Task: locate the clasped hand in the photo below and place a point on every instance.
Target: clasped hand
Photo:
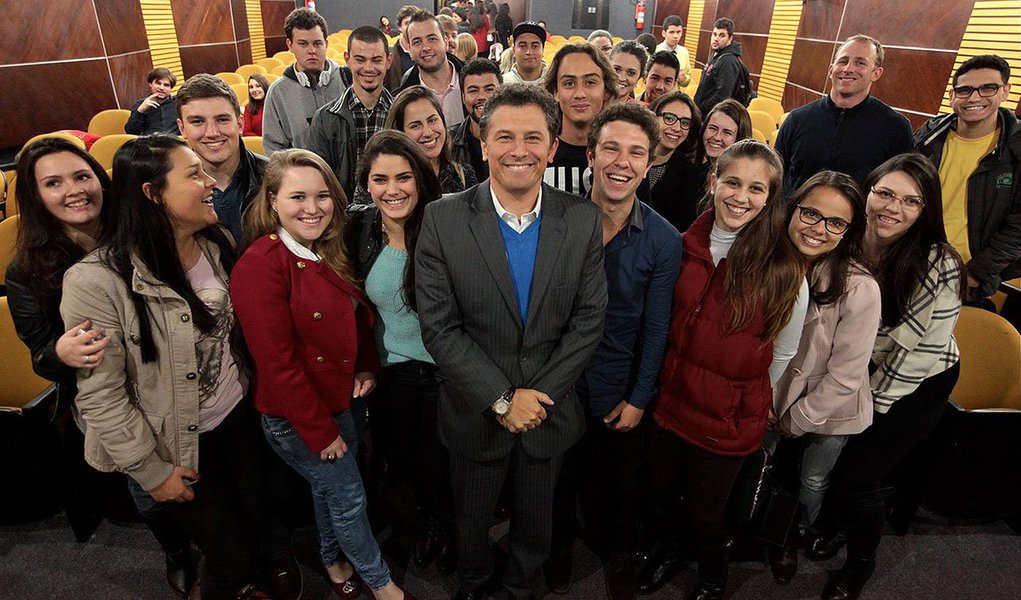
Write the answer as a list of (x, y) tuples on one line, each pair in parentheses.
[(527, 410)]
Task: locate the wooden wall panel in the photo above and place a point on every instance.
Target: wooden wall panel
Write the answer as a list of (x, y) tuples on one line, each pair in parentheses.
[(129, 71), (665, 8), (753, 48), (795, 96), (703, 48), (41, 31), (208, 59), (273, 14), (709, 16), (821, 20), (245, 52), (913, 79), (122, 25), (81, 86), (202, 22), (810, 63), (941, 26), (749, 16), (240, 14)]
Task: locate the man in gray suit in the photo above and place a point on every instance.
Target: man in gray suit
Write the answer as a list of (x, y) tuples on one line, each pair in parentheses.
[(511, 296)]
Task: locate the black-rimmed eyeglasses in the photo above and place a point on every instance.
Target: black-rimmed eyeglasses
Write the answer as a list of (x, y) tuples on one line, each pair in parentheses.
[(985, 90), (670, 119), (810, 216)]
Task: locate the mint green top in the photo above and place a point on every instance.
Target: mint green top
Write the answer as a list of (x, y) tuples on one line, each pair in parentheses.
[(398, 334)]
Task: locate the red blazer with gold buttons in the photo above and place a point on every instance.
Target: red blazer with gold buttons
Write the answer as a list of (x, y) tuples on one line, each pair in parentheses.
[(309, 332)]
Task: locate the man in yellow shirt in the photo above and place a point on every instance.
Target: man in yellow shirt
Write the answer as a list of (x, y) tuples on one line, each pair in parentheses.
[(673, 29), (978, 152)]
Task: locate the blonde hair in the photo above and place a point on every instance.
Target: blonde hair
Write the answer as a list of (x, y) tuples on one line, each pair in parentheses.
[(260, 218), (467, 47)]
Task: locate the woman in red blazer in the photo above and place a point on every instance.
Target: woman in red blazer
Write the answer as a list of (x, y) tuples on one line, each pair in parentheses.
[(309, 329), (739, 305)]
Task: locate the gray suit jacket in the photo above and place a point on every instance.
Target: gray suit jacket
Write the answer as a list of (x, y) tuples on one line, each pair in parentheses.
[(471, 326)]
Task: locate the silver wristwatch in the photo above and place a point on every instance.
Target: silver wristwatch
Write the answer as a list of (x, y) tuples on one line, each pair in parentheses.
[(503, 404)]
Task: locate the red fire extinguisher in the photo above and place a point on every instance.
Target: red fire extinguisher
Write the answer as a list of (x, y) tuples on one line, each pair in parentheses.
[(640, 14)]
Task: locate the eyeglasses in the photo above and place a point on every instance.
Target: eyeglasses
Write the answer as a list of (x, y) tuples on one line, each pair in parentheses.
[(670, 118), (810, 216), (915, 203), (985, 90)]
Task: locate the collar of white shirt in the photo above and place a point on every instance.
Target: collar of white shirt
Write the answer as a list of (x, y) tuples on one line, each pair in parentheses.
[(295, 247), (517, 224)]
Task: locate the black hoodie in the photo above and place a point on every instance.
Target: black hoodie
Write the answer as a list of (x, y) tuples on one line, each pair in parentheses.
[(719, 77)]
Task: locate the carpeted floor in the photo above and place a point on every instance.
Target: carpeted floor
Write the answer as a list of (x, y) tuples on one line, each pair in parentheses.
[(122, 561)]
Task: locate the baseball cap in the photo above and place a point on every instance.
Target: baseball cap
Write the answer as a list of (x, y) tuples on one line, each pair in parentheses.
[(530, 27)]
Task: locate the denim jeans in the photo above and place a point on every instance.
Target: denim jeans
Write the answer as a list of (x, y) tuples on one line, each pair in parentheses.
[(338, 496), (819, 455)]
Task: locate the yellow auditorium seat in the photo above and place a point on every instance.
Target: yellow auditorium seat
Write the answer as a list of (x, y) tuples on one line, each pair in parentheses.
[(230, 77), (247, 71), (990, 350), (278, 71), (269, 63), (763, 121), (767, 105), (5, 189), (696, 76), (20, 387), (558, 40), (284, 56), (576, 38), (11, 205), (77, 141), (758, 135), (616, 40), (108, 145), (241, 91), (254, 144), (107, 122), (782, 118), (8, 242), (772, 138), (271, 77)]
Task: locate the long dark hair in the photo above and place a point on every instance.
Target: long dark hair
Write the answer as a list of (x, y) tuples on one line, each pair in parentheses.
[(737, 113), (764, 270), (691, 147), (905, 262), (850, 251), (144, 231), (253, 104), (396, 143), (44, 251)]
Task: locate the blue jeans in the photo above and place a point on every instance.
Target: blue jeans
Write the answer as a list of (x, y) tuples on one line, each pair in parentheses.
[(338, 497), (817, 459)]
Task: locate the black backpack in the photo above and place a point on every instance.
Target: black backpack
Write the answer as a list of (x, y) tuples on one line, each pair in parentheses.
[(743, 90)]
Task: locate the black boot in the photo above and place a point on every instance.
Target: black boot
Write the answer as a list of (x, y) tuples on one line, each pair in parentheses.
[(712, 571), (431, 542), (864, 533), (783, 560), (180, 562), (665, 561), (820, 545)]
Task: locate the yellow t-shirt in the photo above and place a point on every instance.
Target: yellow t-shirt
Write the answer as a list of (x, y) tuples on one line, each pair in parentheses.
[(960, 159)]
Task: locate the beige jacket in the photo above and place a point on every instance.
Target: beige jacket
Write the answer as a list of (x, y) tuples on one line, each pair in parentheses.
[(826, 386), (141, 419)]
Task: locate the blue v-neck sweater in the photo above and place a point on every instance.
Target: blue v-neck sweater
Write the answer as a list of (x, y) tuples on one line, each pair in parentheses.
[(521, 250)]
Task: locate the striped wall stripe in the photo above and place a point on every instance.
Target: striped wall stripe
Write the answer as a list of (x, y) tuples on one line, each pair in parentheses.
[(255, 33), (162, 35), (695, 11), (993, 28), (783, 31)]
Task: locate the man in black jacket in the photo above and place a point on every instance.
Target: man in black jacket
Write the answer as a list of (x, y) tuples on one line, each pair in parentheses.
[(157, 112), (978, 152), (480, 78), (435, 68), (724, 70)]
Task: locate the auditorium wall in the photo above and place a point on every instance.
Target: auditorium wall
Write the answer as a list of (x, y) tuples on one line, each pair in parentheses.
[(61, 62)]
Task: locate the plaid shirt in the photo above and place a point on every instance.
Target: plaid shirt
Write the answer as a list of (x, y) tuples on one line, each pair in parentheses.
[(922, 344), (367, 122)]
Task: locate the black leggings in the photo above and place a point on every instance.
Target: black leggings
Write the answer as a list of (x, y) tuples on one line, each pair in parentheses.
[(684, 475)]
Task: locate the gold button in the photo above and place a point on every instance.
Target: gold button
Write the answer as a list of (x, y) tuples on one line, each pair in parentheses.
[(320, 359), (317, 315), (272, 236), (301, 264)]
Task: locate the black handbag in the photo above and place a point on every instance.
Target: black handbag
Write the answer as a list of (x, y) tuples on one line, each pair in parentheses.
[(760, 504)]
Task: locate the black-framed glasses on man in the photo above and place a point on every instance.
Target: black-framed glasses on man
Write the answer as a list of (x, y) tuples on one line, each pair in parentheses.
[(810, 216), (915, 203), (985, 90), (670, 118)]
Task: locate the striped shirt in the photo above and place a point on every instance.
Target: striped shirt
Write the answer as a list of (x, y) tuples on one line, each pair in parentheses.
[(922, 344)]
